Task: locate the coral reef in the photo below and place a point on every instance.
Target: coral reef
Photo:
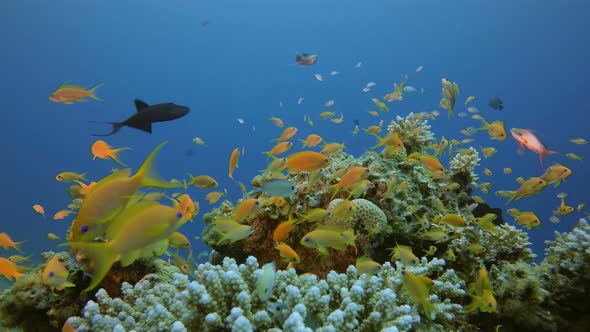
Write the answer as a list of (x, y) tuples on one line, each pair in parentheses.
[(566, 274), (32, 306), (463, 165), (224, 297), (413, 130)]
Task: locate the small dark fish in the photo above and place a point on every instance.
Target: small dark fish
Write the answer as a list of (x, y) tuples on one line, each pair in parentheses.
[(496, 103), (357, 123), (146, 115), (306, 59), (204, 22)]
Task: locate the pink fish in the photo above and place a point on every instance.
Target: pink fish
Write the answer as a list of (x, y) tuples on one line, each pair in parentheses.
[(527, 138)]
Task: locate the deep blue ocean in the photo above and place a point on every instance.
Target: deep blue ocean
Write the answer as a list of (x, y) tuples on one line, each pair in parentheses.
[(532, 54)]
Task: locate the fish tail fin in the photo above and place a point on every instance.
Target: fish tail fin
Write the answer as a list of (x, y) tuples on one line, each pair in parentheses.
[(512, 197), (102, 255), (544, 153), (116, 126), (115, 155), (93, 90), (335, 189), (269, 155), (147, 174), (18, 244)]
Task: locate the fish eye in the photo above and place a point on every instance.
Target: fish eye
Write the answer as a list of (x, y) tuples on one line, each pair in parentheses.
[(257, 203), (266, 289), (379, 267), (84, 228), (251, 229), (178, 214), (413, 261), (490, 304), (50, 274), (326, 160), (306, 239), (292, 187), (404, 271), (294, 259)]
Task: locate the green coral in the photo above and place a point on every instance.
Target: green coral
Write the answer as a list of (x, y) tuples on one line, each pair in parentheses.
[(566, 275), (520, 295), (32, 306)]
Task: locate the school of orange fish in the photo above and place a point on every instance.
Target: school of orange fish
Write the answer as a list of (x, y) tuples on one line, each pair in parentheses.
[(132, 223)]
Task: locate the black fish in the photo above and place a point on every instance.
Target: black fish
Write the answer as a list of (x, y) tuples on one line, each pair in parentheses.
[(146, 115), (496, 103), (306, 59)]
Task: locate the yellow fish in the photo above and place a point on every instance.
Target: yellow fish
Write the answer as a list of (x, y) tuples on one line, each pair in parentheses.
[(530, 187), (231, 230), (324, 237), (179, 240), (202, 181), (495, 129), (555, 174), (366, 265), (403, 253), (70, 176), (110, 196), (55, 275), (288, 255), (139, 228), (563, 209), (418, 291)]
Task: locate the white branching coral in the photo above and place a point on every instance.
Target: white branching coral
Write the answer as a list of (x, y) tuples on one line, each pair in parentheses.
[(224, 297), (463, 164), (413, 130)]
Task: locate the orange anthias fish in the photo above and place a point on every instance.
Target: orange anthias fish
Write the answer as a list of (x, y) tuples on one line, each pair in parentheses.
[(352, 176), (233, 162), (55, 275), (245, 209), (101, 149), (287, 134), (186, 206), (278, 149), (307, 161), (312, 140), (68, 94), (8, 269), (6, 242), (527, 138), (282, 231), (39, 209)]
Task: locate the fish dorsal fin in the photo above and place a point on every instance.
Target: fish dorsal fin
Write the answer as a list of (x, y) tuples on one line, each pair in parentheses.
[(140, 105)]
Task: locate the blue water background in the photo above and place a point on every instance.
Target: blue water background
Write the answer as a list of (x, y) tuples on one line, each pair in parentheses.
[(532, 54)]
